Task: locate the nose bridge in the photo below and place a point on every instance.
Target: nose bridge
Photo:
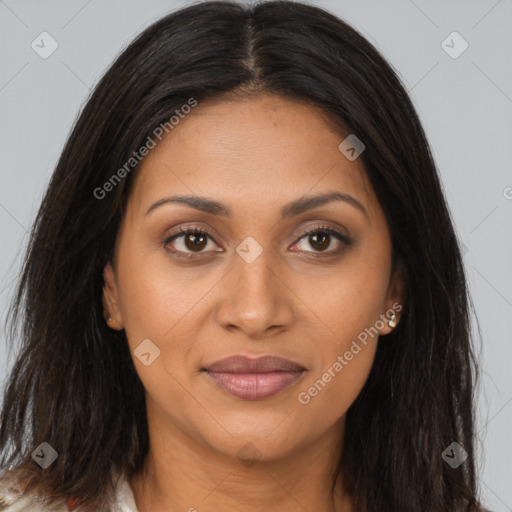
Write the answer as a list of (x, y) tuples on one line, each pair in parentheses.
[(253, 267), (254, 299)]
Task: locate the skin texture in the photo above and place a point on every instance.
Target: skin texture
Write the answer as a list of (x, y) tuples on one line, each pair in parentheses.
[(254, 155)]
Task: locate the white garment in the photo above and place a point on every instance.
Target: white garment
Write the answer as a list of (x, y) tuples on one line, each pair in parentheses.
[(11, 501), (125, 498)]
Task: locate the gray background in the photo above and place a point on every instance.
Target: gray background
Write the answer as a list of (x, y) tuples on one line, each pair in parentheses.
[(465, 105)]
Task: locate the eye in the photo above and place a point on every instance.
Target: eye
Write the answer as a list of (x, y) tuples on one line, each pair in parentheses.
[(320, 239), (192, 239)]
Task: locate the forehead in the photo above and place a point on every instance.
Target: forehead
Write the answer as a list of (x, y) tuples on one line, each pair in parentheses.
[(263, 148)]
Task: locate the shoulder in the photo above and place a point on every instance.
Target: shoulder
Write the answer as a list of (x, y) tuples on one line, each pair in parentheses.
[(10, 491), (12, 499)]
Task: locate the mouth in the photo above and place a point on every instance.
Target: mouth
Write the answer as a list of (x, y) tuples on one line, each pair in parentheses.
[(254, 379)]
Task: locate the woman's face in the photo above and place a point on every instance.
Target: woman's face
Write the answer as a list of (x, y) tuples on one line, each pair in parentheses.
[(252, 283)]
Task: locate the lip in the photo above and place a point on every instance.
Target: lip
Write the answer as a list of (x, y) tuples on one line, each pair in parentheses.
[(254, 378), (263, 364)]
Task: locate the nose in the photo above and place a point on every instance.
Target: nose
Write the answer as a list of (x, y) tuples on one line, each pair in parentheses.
[(254, 299)]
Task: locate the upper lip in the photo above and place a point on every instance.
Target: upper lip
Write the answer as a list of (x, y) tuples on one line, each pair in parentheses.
[(263, 364)]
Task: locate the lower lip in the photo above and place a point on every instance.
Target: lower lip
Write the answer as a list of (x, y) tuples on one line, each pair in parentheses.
[(255, 386)]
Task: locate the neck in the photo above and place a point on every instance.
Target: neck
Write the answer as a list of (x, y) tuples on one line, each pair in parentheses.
[(181, 474)]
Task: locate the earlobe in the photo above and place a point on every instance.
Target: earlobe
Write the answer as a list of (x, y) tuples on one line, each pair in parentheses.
[(110, 299), (395, 301), (389, 320)]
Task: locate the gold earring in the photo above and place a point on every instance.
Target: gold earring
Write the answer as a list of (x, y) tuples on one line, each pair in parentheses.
[(392, 320)]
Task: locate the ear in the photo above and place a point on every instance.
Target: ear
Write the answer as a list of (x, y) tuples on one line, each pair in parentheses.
[(395, 299), (110, 299)]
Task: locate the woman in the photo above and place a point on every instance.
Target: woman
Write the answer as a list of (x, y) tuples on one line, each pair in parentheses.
[(243, 289)]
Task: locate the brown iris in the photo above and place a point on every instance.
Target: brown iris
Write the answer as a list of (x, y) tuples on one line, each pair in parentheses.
[(195, 241), (324, 237)]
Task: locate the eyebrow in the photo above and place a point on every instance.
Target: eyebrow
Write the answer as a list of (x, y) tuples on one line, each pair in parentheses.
[(291, 209)]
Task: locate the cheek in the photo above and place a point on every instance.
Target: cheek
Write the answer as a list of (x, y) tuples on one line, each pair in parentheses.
[(350, 306), (327, 396), (350, 299), (161, 302), (157, 297), (156, 305)]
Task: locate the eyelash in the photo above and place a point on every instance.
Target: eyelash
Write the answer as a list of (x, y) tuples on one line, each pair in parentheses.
[(346, 241)]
